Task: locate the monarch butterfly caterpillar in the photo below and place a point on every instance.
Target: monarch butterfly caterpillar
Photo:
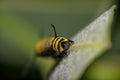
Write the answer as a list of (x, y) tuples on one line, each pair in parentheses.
[(57, 46)]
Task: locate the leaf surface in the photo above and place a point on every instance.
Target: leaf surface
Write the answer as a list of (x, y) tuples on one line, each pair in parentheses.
[(91, 42)]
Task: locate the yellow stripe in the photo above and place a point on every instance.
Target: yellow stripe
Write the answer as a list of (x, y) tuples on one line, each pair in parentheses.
[(61, 48), (65, 40), (54, 42), (57, 42)]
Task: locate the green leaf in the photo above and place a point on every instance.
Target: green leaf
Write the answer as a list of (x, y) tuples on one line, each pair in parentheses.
[(91, 42)]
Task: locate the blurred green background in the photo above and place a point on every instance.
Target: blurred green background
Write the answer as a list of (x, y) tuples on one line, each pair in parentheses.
[(24, 22)]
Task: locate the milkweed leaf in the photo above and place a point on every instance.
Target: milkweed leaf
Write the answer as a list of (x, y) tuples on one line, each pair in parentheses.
[(91, 42)]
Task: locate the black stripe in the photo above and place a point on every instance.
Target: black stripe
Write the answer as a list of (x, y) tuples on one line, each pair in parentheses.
[(55, 42), (52, 43), (58, 47)]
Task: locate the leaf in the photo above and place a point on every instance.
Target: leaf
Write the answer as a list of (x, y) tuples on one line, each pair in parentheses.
[(91, 42)]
